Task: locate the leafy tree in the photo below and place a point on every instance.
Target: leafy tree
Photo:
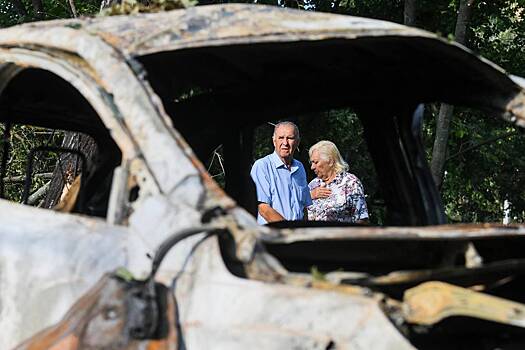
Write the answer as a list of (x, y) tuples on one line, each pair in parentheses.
[(479, 179), (19, 11)]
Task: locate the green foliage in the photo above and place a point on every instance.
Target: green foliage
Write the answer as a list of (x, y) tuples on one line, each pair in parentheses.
[(480, 174), (53, 9), (477, 182), (378, 9), (317, 275), (124, 274), (22, 139), (127, 7), (8, 16), (499, 33)]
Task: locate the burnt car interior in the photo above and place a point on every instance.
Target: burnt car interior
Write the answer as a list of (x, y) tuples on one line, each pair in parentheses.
[(218, 96), (39, 99)]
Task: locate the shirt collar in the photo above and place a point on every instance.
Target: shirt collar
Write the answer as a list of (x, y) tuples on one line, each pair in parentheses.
[(278, 162)]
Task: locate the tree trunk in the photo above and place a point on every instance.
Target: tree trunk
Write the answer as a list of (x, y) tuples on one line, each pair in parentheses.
[(439, 151), (38, 8), (72, 8), (69, 166), (409, 13), (465, 10), (108, 3)]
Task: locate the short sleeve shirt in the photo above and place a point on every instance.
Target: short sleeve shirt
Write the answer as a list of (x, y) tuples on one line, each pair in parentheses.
[(284, 190), (346, 203)]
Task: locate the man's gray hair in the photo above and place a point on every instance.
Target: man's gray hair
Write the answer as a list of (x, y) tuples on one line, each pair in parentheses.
[(296, 129)]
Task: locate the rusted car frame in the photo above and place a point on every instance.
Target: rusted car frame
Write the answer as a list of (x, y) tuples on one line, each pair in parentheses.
[(246, 285)]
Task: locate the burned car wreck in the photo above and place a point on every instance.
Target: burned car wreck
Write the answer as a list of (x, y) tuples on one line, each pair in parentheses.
[(158, 94)]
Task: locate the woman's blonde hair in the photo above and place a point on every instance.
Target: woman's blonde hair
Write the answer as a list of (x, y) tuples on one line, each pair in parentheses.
[(328, 151)]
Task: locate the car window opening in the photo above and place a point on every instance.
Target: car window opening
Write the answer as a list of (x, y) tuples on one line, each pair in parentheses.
[(221, 108), (56, 153)]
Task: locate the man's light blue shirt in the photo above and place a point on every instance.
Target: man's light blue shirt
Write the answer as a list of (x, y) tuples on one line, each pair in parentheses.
[(284, 190)]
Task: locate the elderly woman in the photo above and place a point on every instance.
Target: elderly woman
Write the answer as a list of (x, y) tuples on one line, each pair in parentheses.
[(337, 195)]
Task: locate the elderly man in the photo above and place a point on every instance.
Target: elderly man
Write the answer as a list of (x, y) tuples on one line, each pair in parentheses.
[(282, 190)]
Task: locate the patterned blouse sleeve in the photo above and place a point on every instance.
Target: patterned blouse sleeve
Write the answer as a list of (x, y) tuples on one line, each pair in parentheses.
[(356, 198), (361, 210)]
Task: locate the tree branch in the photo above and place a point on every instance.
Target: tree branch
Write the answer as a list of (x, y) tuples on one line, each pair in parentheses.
[(41, 192), (21, 178), (465, 10), (73, 8), (38, 7), (489, 140), (439, 150), (409, 13)]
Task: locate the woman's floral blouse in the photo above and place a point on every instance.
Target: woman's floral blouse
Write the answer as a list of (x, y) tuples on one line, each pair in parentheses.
[(346, 203)]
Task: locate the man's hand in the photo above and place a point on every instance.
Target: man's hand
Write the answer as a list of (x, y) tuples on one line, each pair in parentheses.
[(320, 192), (268, 213)]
